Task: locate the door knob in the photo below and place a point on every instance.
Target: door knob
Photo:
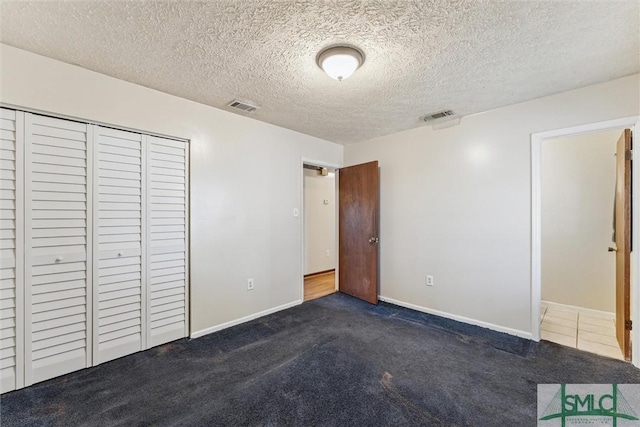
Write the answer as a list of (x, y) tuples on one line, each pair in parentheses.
[(610, 249), (59, 259), (373, 240)]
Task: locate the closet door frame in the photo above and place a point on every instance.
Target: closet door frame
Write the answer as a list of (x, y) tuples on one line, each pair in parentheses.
[(24, 236)]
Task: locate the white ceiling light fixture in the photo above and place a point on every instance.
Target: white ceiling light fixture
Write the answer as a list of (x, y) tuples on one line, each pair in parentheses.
[(339, 62)]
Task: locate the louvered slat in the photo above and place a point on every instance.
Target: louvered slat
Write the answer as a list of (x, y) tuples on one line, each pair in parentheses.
[(118, 242), (11, 249), (166, 211), (58, 282)]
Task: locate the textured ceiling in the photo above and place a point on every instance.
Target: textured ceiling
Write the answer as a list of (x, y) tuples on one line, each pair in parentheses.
[(421, 56)]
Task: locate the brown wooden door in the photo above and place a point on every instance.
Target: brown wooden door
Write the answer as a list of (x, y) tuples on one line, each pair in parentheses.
[(623, 242), (358, 205)]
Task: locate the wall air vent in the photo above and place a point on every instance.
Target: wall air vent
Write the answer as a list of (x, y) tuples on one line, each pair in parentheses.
[(242, 105)]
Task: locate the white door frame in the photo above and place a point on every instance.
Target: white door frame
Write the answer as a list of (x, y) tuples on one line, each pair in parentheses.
[(536, 224), (335, 167)]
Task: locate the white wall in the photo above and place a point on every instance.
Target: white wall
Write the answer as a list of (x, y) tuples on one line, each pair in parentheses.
[(578, 185), (245, 179), (456, 203), (319, 221)]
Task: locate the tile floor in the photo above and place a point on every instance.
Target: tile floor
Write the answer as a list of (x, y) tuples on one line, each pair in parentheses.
[(588, 331)]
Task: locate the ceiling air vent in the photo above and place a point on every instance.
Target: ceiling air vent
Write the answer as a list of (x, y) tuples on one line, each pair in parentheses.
[(442, 119), (439, 115), (241, 105)]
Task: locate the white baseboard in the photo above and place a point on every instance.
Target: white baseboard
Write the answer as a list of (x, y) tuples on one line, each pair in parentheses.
[(510, 331), (244, 319), (597, 313)]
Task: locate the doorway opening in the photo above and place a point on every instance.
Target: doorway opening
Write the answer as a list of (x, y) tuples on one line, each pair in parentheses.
[(581, 255), (578, 272), (353, 233), (319, 231)]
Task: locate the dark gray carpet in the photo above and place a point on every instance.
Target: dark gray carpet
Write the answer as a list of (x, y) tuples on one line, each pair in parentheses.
[(335, 361)]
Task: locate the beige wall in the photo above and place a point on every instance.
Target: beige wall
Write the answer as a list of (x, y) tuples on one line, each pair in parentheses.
[(578, 182), (245, 180), (319, 222), (456, 203)]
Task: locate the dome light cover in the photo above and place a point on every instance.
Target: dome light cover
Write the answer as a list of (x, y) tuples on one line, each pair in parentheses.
[(339, 62)]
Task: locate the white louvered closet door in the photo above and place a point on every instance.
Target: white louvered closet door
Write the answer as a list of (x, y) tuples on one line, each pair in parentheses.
[(11, 250), (57, 247), (167, 239), (118, 247)]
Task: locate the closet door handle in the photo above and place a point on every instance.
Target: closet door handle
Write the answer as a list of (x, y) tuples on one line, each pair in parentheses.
[(59, 259), (120, 253)]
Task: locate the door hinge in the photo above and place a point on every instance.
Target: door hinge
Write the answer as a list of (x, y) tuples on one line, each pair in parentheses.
[(628, 325), (628, 155)]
